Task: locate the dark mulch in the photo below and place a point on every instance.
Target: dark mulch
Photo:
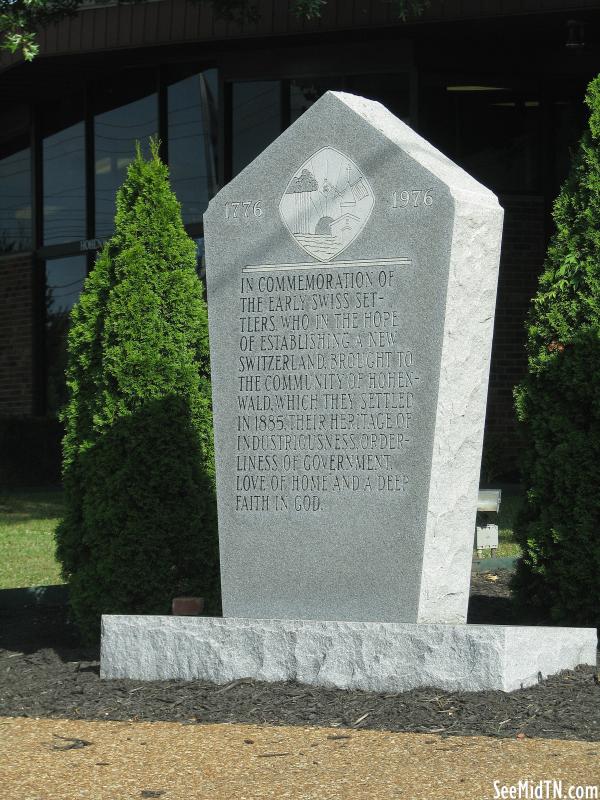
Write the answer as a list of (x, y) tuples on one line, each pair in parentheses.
[(44, 673)]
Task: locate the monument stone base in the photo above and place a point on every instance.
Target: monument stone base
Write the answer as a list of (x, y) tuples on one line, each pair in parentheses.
[(374, 656)]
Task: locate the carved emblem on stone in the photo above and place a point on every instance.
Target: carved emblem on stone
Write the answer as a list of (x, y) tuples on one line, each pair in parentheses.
[(326, 204)]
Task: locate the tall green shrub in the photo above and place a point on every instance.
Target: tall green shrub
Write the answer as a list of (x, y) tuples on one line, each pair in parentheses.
[(138, 471), (559, 404)]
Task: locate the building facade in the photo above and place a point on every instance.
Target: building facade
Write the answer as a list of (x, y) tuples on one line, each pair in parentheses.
[(497, 85)]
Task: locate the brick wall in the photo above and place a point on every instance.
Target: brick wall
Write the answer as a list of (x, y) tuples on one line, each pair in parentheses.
[(16, 335), (523, 251)]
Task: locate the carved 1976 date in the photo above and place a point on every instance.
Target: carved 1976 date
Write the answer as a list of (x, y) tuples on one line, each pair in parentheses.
[(412, 197), (245, 209)]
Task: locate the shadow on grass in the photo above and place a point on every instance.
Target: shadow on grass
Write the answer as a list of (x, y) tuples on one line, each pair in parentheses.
[(490, 599), (31, 629), (23, 505)]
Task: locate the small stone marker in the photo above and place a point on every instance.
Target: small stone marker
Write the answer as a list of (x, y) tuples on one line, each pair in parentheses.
[(352, 274)]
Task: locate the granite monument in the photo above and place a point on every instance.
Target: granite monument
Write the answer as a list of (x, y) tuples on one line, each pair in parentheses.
[(351, 273)]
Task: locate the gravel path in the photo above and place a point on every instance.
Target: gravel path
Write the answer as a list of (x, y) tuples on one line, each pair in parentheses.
[(43, 673), (50, 759)]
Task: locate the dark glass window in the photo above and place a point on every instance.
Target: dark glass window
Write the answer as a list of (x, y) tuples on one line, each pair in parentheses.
[(15, 200), (201, 259), (64, 281), (567, 125), (192, 142), (498, 140), (256, 110), (64, 185), (391, 90), (115, 134), (259, 108), (306, 91), (492, 131)]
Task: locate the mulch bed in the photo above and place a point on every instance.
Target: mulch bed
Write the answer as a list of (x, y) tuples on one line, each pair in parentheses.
[(45, 673)]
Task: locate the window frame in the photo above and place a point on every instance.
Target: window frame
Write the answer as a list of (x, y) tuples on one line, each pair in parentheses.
[(41, 253)]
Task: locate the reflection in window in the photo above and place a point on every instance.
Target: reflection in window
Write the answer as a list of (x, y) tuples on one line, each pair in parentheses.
[(256, 109), (192, 142), (498, 141), (15, 201), (568, 122), (306, 91), (392, 90), (64, 185), (64, 281), (201, 259), (492, 131), (115, 134)]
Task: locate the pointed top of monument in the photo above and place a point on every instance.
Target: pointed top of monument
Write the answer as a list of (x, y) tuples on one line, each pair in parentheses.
[(408, 140)]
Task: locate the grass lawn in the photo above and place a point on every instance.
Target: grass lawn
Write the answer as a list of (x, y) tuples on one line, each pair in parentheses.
[(28, 519), (509, 507)]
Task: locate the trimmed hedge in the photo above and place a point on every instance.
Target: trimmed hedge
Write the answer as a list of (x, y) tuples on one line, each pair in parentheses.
[(559, 405), (137, 454)]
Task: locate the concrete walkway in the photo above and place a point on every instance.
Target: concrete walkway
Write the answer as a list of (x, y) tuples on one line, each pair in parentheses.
[(66, 760)]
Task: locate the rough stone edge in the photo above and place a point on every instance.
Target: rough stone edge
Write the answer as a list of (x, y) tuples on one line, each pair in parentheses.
[(466, 344), (348, 655), (539, 657), (460, 417)]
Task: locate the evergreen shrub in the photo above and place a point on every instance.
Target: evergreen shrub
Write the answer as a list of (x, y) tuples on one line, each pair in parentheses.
[(559, 405), (138, 465)]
